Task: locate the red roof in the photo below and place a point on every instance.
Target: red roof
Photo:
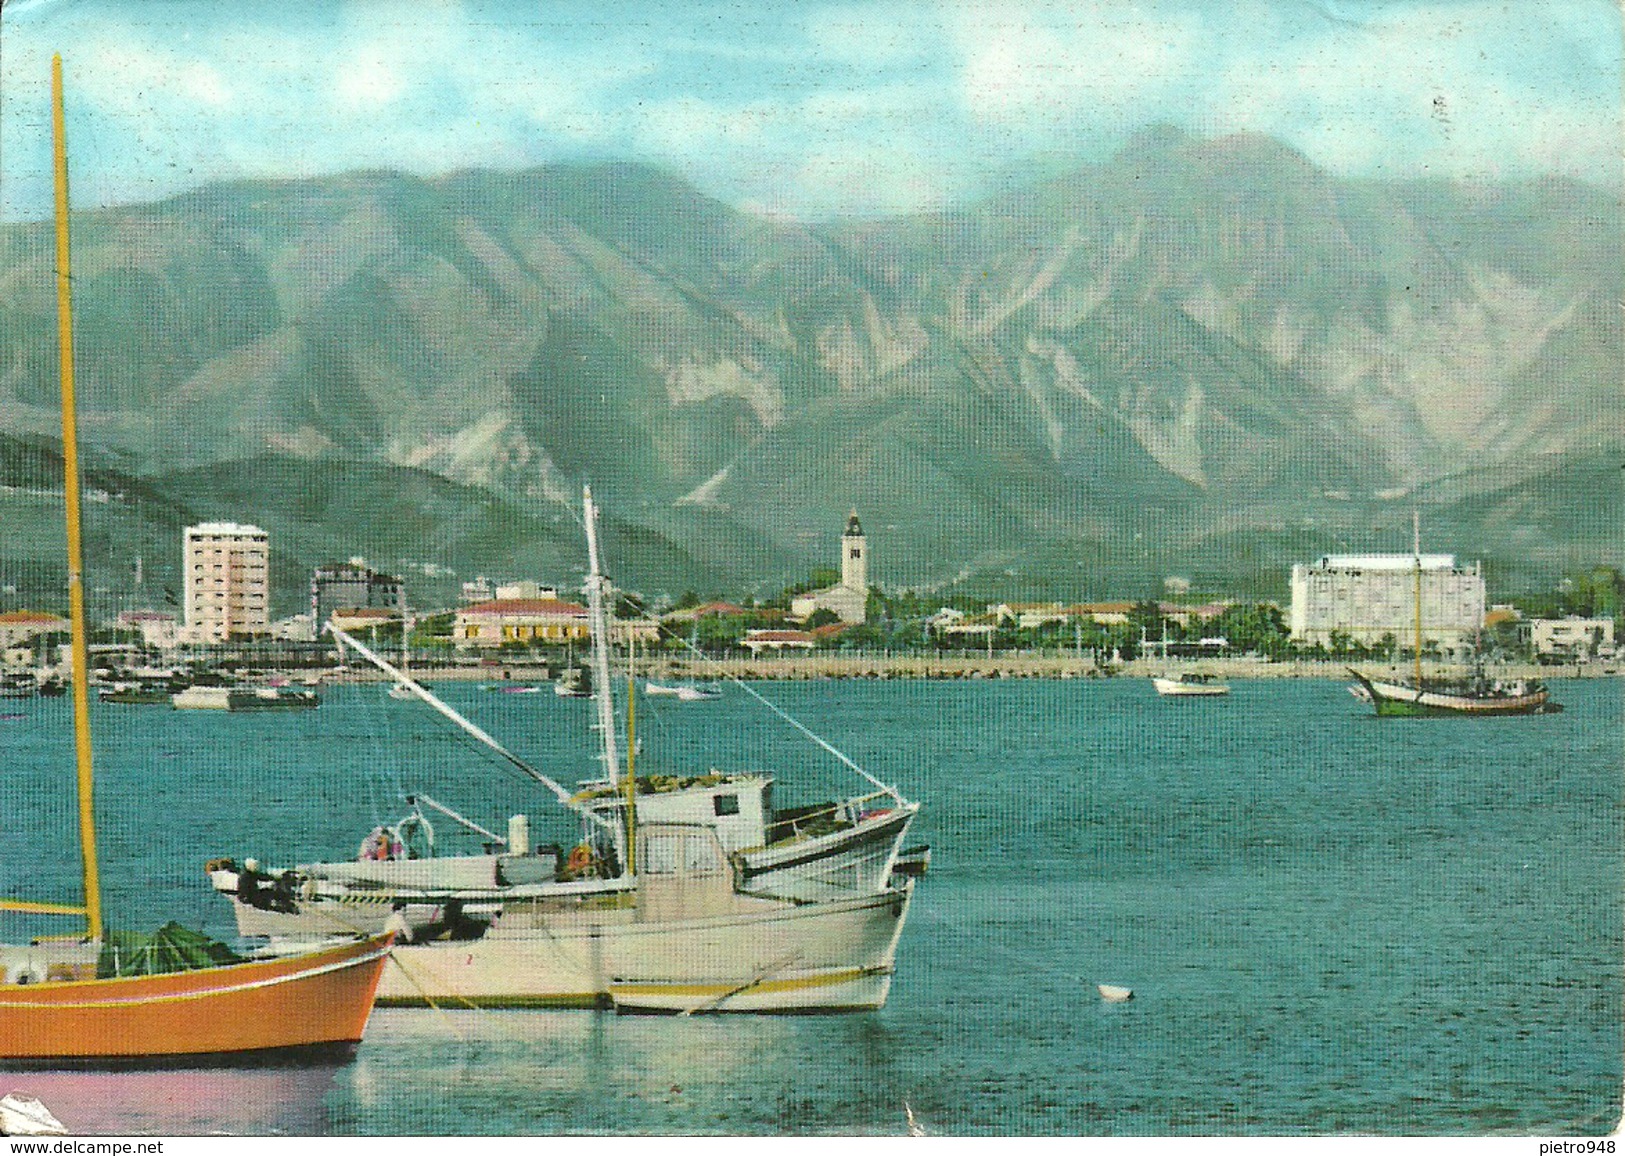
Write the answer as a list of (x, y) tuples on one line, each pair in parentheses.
[(527, 606), (829, 629), (28, 617), (778, 636)]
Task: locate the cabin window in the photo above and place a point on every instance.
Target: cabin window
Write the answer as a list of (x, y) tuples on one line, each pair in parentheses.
[(660, 856), (725, 804)]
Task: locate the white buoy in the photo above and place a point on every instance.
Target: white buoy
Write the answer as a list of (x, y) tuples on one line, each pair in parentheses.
[(1113, 994)]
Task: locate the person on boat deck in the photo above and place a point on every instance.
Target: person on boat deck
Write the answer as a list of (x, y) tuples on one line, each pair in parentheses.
[(282, 892), (250, 883), (380, 846)]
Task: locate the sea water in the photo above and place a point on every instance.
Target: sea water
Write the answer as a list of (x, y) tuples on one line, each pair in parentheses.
[(1331, 923)]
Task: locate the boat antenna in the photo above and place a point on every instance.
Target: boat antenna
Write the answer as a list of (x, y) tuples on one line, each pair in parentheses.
[(473, 729), (1416, 553), (693, 647), (598, 624), (76, 561)]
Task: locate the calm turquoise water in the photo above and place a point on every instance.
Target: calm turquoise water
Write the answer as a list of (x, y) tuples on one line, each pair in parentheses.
[(1331, 923)]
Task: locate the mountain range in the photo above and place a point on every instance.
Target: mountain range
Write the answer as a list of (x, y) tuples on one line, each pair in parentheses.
[(1206, 358)]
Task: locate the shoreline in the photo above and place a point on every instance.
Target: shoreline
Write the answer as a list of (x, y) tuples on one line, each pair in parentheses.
[(802, 667)]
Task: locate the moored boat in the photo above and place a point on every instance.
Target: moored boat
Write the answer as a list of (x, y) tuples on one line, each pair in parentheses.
[(682, 692), (728, 905), (1475, 696), (246, 698), (574, 682), (1189, 684), (75, 999)]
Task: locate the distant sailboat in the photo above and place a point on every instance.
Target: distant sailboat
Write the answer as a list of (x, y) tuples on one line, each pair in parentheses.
[(1476, 696)]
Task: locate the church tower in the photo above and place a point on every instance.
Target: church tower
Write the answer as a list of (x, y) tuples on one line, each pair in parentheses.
[(855, 557)]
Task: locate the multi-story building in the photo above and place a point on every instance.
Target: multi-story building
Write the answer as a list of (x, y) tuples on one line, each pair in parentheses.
[(353, 585), (1571, 638), (227, 580), (1369, 597)]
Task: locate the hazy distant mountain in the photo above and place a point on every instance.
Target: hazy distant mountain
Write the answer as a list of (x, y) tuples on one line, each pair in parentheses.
[(1206, 357)]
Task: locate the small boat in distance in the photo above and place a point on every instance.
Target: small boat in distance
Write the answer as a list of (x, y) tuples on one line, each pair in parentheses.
[(682, 692), (1189, 684), (575, 682), (1475, 696), (246, 698)]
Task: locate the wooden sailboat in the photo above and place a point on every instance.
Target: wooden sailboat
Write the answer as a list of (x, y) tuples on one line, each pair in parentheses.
[(55, 1006), (1474, 697)]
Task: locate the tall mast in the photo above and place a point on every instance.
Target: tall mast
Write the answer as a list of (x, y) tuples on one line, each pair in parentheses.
[(598, 623), (1416, 554), (76, 563)]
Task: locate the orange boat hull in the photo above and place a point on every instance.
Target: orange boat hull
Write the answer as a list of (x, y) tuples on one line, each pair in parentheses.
[(309, 1001)]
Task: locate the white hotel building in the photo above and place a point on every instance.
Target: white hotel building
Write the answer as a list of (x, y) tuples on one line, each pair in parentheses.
[(1368, 596), (227, 581)]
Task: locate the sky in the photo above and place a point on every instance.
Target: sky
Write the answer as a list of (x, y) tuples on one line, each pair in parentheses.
[(804, 110)]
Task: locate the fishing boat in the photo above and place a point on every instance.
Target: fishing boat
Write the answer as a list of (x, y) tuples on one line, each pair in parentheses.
[(682, 692), (723, 903), (78, 999), (1474, 696), (573, 682), (246, 698), (1189, 684)]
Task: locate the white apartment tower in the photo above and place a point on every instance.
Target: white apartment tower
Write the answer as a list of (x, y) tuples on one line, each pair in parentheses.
[(227, 581), (1369, 596)]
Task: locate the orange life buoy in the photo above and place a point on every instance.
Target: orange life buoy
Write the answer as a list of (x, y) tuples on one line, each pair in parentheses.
[(580, 859)]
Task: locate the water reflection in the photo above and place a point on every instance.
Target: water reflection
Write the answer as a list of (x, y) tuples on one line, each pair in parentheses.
[(244, 1101)]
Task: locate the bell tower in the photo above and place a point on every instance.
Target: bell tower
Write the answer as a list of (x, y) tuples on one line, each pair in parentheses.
[(854, 557)]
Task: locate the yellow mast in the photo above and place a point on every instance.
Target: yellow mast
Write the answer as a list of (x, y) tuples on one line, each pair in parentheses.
[(1416, 553), (76, 565)]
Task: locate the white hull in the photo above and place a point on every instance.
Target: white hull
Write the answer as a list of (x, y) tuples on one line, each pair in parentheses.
[(759, 956), (682, 693), (1177, 688)]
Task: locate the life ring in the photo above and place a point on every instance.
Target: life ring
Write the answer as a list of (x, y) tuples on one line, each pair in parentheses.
[(580, 859), (25, 971)]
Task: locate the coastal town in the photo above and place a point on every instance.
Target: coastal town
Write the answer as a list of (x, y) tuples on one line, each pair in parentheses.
[(1343, 607)]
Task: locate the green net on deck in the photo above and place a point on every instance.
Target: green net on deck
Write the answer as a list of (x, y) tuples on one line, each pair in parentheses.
[(170, 948)]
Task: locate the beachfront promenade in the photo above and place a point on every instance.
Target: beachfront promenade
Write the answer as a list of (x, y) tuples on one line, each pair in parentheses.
[(1014, 664)]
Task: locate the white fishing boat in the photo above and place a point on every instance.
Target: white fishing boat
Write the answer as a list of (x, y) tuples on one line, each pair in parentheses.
[(729, 905), (1189, 684), (245, 698)]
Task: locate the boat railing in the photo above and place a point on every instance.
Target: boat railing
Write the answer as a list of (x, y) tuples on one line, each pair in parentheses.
[(799, 823)]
